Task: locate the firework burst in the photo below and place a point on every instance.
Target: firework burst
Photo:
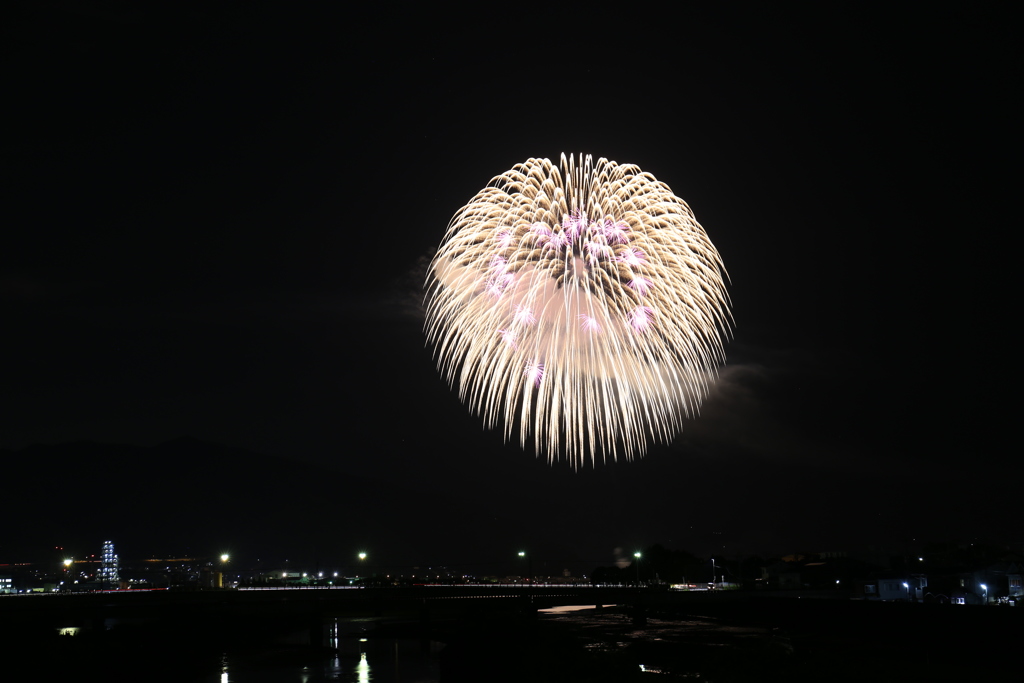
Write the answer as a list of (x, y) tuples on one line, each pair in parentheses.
[(580, 305)]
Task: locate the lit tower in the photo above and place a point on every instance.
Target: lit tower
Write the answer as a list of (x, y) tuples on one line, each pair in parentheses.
[(108, 565)]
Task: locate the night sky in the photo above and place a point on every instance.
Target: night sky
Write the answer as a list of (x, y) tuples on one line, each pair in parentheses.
[(216, 223)]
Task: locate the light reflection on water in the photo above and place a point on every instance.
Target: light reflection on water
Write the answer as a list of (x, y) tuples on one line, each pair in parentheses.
[(566, 609), (363, 669), (616, 626), (349, 659), (674, 647)]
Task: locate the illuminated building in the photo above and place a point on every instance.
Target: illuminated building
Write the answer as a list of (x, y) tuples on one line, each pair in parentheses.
[(108, 565)]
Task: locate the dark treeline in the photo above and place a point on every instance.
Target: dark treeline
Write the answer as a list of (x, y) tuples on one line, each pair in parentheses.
[(659, 564)]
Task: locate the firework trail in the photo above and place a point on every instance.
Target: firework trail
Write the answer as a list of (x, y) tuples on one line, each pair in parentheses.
[(582, 305)]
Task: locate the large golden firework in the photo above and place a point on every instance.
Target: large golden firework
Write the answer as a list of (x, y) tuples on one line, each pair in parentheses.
[(581, 304)]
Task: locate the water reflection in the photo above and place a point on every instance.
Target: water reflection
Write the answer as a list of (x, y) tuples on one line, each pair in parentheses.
[(363, 669), (353, 653), (674, 646), (565, 609)]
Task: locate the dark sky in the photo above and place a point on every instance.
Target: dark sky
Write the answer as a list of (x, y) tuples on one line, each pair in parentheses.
[(216, 223)]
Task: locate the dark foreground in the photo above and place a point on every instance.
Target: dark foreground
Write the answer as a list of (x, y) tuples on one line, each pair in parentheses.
[(739, 638)]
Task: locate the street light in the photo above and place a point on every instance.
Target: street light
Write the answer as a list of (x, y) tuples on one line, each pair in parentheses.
[(637, 556), (529, 566), (985, 588), (67, 568), (713, 577), (219, 576), (362, 561)]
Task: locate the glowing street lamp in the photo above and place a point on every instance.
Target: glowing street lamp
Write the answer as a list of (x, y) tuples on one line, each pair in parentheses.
[(529, 565), (362, 562), (637, 556), (67, 567), (219, 574), (985, 588)]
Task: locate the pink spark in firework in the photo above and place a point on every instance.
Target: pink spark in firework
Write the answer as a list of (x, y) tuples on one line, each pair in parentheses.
[(640, 285), (505, 239), (535, 372), (497, 285), (641, 318), (573, 226), (524, 315), (558, 242), (597, 250), (509, 337), (589, 323), (632, 257), (541, 233), (616, 232)]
